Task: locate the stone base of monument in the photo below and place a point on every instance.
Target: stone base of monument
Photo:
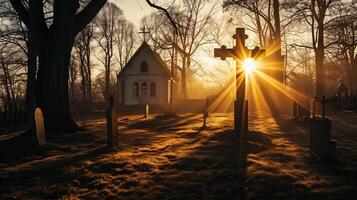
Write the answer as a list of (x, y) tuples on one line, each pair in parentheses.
[(322, 147)]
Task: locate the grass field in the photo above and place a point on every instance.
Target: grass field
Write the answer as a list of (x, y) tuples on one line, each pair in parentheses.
[(172, 158)]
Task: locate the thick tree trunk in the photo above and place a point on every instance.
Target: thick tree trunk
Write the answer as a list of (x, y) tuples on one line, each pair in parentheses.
[(31, 81), (52, 79), (278, 58), (53, 45), (277, 37), (52, 86)]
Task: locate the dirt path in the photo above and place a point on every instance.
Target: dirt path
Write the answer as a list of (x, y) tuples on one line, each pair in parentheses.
[(171, 158)]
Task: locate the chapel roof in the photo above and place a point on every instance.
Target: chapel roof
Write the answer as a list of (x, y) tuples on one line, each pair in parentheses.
[(145, 47)]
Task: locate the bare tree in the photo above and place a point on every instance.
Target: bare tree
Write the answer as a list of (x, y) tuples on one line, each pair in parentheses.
[(125, 39), (341, 33), (316, 14), (14, 35), (107, 26), (265, 18), (53, 26), (83, 50), (192, 20)]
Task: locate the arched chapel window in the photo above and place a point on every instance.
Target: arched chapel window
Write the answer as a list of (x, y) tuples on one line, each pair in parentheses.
[(152, 89), (136, 89), (144, 67)]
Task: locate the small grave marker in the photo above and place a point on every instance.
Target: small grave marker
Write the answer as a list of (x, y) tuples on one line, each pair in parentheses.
[(205, 115), (112, 125), (147, 109), (39, 127)]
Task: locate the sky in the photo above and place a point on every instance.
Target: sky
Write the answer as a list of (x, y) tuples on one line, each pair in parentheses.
[(134, 10)]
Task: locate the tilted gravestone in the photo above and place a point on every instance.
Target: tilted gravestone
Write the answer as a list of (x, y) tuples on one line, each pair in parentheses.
[(112, 125), (39, 127)]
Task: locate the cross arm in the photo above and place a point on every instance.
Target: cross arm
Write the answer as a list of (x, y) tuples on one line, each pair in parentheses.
[(223, 52), (257, 53)]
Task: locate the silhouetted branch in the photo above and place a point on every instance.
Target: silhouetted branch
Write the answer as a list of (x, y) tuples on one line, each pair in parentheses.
[(87, 14), (21, 11), (167, 14)]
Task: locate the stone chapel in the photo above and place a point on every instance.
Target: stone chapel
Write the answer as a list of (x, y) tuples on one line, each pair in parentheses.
[(145, 79)]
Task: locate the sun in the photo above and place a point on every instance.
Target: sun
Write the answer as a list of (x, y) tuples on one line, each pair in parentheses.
[(249, 65)]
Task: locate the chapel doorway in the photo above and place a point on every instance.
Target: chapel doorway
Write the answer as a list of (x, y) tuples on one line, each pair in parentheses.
[(144, 92)]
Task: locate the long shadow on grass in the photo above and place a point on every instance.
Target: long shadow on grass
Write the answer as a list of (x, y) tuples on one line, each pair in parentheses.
[(296, 140), (29, 168), (165, 123), (210, 171), (22, 148)]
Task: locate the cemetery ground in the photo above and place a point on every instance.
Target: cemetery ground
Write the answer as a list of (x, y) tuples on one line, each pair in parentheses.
[(170, 157)]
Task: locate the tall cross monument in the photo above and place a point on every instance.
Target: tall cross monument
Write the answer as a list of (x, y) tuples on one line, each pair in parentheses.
[(239, 53)]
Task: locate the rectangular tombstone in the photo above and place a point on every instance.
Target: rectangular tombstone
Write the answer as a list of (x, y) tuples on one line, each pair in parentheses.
[(39, 127), (321, 146)]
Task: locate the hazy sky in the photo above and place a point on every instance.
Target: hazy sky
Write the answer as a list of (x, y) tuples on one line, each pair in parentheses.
[(134, 10)]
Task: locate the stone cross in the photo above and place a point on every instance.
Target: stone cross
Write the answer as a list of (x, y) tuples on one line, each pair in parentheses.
[(239, 53), (112, 124), (39, 127), (144, 32)]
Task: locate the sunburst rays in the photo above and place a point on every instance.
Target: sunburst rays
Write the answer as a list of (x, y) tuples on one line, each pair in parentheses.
[(255, 80)]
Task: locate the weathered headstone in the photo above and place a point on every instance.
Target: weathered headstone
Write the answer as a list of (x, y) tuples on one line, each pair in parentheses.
[(112, 124), (321, 145), (147, 110), (39, 127)]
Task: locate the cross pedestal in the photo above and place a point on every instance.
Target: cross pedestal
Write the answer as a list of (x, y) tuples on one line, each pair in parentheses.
[(239, 53)]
